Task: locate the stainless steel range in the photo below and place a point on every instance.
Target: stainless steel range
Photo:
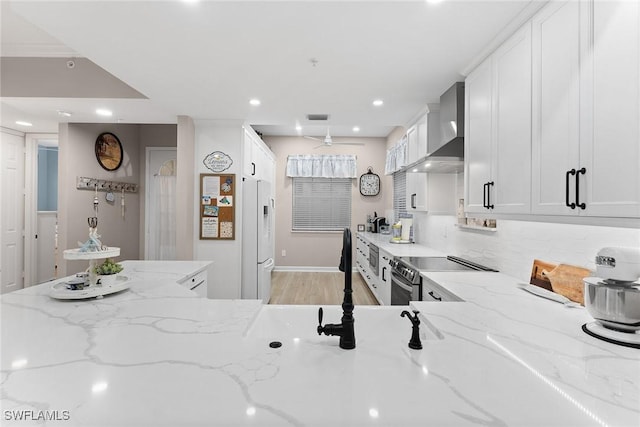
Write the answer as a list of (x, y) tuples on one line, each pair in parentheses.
[(407, 284)]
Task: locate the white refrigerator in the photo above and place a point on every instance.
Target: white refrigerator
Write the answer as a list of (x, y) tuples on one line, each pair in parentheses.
[(257, 239)]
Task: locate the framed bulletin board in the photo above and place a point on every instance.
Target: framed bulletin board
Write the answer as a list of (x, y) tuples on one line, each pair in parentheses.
[(217, 206)]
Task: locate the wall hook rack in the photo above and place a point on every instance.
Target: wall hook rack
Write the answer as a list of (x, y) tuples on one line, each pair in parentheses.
[(93, 184)]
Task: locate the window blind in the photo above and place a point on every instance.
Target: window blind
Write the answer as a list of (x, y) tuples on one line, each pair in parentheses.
[(399, 195), (321, 204)]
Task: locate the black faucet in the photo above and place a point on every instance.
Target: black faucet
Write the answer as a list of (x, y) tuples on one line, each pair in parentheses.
[(414, 343), (344, 329)]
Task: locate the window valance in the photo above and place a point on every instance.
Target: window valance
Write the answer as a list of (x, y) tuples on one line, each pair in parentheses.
[(322, 166), (396, 157)]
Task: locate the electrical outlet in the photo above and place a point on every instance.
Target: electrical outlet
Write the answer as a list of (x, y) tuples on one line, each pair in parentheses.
[(284, 252)]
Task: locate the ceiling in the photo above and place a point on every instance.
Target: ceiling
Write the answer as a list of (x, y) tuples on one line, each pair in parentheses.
[(207, 59)]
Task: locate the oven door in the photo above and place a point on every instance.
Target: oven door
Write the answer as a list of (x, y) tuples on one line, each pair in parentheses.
[(403, 291)]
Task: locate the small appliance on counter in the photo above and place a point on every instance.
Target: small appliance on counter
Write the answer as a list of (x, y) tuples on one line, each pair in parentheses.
[(378, 222), (613, 298)]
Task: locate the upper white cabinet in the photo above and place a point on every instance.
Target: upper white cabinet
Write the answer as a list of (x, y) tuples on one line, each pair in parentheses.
[(413, 145), (431, 192), (417, 192), (586, 109), (498, 129), (258, 160), (556, 106), (610, 149), (423, 135)]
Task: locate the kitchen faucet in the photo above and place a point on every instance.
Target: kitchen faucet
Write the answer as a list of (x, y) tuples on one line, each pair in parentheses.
[(414, 342), (344, 329)]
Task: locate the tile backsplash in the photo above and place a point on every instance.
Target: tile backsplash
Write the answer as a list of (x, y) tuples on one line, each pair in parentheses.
[(514, 246)]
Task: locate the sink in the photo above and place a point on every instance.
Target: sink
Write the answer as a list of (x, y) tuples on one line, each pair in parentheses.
[(372, 323)]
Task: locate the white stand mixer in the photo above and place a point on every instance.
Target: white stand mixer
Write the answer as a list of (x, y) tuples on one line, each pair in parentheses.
[(613, 298)]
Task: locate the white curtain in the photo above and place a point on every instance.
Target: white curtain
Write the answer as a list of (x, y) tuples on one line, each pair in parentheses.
[(162, 227), (322, 166), (396, 157)]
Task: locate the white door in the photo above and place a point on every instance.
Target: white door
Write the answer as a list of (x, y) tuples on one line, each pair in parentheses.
[(160, 203), (11, 212)]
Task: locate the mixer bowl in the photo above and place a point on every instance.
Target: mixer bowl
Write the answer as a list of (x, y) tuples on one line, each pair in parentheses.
[(614, 306)]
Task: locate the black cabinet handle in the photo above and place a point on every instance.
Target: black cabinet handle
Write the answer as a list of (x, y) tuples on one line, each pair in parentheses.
[(566, 189), (435, 297), (253, 166), (489, 185), (413, 201), (578, 204), (484, 194), (383, 270)]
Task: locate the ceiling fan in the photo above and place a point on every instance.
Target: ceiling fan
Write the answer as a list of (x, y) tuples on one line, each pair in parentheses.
[(328, 141)]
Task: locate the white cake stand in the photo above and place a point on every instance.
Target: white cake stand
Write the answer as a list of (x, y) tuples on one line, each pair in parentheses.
[(92, 257)]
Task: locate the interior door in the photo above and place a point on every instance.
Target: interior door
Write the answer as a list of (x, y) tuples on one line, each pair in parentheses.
[(11, 212)]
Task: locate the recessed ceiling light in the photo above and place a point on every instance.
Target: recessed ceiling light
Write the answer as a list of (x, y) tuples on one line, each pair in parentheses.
[(21, 123), (104, 112), (64, 113), (378, 102), (356, 129), (254, 102)]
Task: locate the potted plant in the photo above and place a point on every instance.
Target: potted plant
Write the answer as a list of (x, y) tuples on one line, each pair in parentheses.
[(107, 272)]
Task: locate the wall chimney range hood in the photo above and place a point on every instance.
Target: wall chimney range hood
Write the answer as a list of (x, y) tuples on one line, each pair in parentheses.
[(447, 154)]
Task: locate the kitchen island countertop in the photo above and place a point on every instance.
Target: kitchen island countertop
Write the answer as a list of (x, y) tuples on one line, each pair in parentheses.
[(158, 355)]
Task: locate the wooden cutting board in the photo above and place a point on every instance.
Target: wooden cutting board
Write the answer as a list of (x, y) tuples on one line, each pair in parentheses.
[(537, 276), (567, 280)]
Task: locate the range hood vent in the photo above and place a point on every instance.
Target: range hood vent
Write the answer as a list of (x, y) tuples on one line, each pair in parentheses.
[(447, 155), (452, 118)]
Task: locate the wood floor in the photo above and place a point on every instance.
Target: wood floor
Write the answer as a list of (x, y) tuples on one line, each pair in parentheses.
[(314, 288)]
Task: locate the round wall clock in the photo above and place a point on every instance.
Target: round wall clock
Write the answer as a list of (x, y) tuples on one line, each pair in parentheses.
[(108, 151), (369, 183)]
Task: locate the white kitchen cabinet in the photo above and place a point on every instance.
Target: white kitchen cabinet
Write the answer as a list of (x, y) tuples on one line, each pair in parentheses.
[(477, 138), (414, 148), (431, 192), (197, 283), (586, 109), (498, 129), (555, 105), (384, 278), (423, 137), (417, 192), (258, 161), (610, 149)]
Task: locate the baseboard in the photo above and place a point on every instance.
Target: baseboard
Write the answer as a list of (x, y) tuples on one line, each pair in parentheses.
[(308, 269)]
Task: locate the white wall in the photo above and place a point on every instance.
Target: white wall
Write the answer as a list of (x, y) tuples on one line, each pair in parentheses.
[(225, 272), (76, 157)]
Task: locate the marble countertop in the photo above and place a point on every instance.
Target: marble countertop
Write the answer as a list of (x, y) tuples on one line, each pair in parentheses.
[(158, 355), (383, 241)]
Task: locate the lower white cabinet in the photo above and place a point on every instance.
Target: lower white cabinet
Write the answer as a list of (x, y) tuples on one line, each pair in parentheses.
[(379, 285), (197, 283), (384, 278)]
